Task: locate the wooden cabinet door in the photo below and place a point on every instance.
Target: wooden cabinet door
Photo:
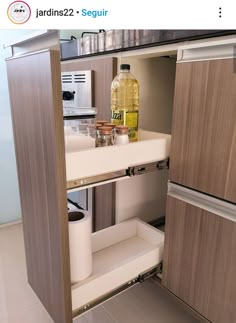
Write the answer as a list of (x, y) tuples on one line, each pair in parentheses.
[(203, 150), (200, 260)]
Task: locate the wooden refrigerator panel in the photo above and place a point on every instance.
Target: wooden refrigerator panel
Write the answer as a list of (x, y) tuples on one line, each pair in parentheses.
[(203, 149), (105, 69), (36, 105), (200, 261)]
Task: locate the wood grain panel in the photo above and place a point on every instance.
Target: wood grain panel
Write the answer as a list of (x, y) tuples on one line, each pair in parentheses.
[(105, 70), (204, 128), (104, 212), (34, 85), (200, 261)]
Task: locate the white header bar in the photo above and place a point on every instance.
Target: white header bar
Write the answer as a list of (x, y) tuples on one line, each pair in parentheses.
[(113, 14)]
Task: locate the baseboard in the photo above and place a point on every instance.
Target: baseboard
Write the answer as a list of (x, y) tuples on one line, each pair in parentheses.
[(10, 224)]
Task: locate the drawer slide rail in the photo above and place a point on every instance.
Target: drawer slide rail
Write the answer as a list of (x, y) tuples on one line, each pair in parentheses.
[(114, 176)]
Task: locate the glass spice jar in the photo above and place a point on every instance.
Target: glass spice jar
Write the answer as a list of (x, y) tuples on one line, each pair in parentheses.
[(91, 131), (98, 135), (106, 136), (122, 135), (113, 126)]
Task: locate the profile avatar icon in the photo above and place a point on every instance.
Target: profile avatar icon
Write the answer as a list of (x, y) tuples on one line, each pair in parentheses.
[(19, 12)]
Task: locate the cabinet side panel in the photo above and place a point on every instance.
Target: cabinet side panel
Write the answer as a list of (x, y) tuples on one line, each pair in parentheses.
[(35, 94), (199, 260), (204, 128)]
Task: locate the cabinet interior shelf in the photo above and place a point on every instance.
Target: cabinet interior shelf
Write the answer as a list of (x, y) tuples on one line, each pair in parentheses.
[(120, 254), (98, 165)]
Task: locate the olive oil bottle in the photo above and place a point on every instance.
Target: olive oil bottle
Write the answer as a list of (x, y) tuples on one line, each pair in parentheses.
[(125, 101)]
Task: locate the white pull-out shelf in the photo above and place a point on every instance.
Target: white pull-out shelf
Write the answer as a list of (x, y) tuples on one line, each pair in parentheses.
[(120, 254), (99, 164)]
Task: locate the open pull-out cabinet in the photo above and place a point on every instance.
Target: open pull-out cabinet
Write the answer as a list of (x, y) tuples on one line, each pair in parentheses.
[(122, 254)]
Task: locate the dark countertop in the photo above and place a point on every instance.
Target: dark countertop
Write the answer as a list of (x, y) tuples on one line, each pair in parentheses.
[(147, 38)]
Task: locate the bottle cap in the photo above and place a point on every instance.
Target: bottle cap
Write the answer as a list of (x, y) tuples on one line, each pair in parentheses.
[(122, 130), (125, 67)]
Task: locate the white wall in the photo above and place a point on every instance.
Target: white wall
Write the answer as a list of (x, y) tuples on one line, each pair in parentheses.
[(9, 193), (145, 196)]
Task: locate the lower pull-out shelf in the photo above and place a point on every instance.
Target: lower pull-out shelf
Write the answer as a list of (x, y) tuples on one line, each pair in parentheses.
[(120, 254)]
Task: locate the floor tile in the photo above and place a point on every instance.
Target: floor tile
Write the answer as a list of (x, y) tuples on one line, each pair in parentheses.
[(33, 315), (80, 319), (17, 299), (97, 315), (147, 302)]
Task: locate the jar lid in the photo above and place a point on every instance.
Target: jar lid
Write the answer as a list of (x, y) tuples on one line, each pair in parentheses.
[(102, 122), (122, 130), (98, 125), (104, 130), (111, 125)]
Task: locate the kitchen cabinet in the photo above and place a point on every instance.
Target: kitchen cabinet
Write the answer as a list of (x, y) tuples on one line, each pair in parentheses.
[(199, 258), (204, 127), (35, 92), (34, 76)]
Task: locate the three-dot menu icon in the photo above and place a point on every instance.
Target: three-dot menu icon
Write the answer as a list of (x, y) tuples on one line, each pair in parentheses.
[(220, 12)]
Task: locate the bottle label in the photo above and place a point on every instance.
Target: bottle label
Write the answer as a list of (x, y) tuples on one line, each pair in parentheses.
[(131, 119), (133, 135), (117, 118)]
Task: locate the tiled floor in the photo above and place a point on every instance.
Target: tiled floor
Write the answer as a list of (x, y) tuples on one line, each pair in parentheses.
[(18, 302), (144, 303)]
